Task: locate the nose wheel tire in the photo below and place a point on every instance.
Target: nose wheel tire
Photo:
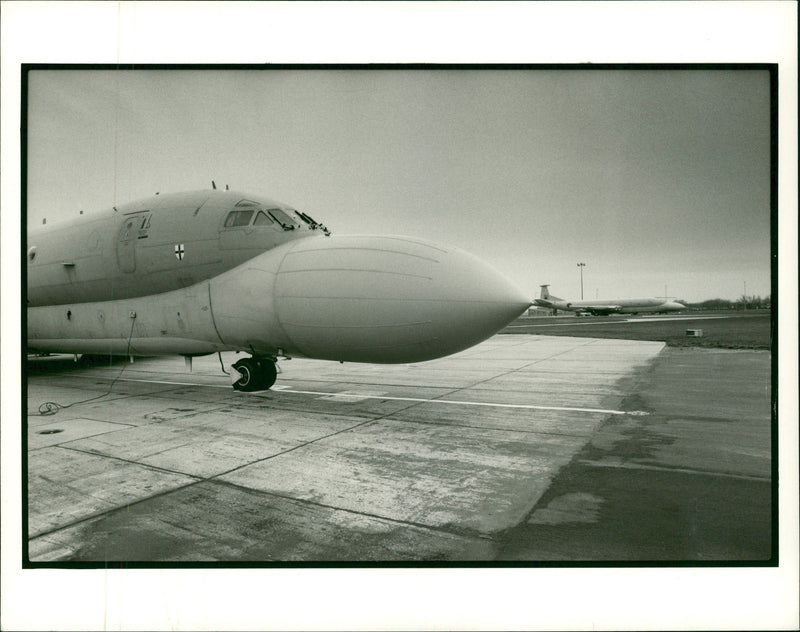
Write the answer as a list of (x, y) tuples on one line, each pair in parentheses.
[(258, 374)]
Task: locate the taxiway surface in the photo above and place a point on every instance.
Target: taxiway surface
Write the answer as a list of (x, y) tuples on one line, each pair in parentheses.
[(449, 460)]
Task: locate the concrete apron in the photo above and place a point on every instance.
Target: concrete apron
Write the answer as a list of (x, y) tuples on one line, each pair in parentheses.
[(338, 462)]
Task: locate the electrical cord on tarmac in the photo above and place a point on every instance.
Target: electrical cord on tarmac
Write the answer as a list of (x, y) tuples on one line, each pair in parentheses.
[(222, 366), (51, 408)]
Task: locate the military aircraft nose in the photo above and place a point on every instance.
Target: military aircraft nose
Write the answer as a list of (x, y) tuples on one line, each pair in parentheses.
[(389, 299)]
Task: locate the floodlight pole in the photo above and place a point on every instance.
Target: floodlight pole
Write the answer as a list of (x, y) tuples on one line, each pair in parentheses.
[(581, 266)]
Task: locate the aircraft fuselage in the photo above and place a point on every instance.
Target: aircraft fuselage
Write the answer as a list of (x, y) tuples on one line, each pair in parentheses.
[(615, 306), (195, 273), (159, 244)]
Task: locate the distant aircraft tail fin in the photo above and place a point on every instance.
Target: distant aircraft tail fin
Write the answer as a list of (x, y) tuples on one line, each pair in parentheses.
[(545, 294)]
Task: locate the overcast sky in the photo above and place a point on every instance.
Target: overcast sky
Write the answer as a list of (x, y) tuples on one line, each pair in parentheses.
[(653, 178)]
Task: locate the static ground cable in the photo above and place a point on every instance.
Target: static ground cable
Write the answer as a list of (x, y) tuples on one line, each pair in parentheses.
[(51, 408), (222, 366)]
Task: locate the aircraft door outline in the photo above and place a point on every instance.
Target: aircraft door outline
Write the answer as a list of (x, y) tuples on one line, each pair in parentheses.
[(134, 227), (126, 246)]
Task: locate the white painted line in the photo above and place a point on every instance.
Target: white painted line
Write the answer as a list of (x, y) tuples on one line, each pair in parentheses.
[(460, 403), (350, 396)]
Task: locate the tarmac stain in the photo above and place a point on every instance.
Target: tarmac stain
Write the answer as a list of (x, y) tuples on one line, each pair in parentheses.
[(577, 507), (169, 413)]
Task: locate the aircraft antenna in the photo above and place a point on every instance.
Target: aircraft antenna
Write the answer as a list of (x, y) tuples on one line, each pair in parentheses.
[(213, 185), (226, 187)]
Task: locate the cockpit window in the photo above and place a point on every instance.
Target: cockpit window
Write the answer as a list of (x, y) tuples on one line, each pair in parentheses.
[(306, 218), (283, 219), (246, 203), (262, 219), (312, 223), (238, 218)]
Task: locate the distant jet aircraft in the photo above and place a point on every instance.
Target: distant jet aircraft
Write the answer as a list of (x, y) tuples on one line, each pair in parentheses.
[(207, 271), (613, 306)]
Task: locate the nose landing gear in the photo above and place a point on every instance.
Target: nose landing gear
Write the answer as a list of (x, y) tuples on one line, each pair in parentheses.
[(255, 374)]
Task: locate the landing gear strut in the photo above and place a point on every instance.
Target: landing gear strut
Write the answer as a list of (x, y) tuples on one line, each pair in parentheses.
[(256, 374)]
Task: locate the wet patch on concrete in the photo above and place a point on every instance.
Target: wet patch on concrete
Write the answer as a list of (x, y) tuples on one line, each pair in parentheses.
[(649, 516), (626, 439), (666, 488), (578, 507)]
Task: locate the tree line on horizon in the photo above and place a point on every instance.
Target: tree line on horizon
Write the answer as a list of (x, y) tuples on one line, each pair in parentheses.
[(743, 302)]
